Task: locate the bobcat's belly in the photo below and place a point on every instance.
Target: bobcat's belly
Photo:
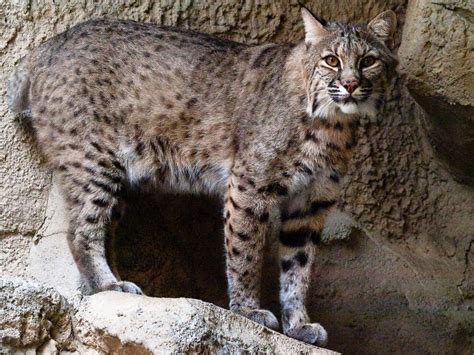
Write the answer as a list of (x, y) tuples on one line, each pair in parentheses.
[(167, 169)]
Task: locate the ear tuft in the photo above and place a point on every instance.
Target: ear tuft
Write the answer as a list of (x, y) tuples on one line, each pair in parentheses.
[(313, 28), (384, 25)]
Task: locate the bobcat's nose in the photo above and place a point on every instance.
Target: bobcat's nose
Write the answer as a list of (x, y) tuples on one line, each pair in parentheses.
[(350, 85)]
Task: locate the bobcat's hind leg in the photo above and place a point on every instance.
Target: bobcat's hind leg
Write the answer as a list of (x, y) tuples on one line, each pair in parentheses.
[(93, 191)]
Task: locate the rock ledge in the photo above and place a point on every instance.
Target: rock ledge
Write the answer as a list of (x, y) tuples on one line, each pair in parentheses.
[(36, 317)]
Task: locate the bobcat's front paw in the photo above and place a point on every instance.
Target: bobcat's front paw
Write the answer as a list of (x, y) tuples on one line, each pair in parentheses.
[(123, 286), (261, 316), (312, 333)]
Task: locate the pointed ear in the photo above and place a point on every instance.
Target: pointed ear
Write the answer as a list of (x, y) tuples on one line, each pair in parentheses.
[(314, 29), (384, 25)]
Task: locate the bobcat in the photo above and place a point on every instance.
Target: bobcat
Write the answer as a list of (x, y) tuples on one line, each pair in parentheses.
[(268, 128)]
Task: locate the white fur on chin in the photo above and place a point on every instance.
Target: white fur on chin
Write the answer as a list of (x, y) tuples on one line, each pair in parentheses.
[(361, 108), (349, 108)]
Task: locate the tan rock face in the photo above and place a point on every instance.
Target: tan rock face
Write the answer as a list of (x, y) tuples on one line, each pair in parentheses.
[(404, 283), (437, 59), (31, 315)]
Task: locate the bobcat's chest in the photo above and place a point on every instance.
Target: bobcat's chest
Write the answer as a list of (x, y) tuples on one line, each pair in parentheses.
[(325, 150), (321, 164)]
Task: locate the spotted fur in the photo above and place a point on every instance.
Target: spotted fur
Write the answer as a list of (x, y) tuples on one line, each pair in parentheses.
[(269, 128)]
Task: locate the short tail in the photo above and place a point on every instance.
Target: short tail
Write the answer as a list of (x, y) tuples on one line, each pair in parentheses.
[(18, 90)]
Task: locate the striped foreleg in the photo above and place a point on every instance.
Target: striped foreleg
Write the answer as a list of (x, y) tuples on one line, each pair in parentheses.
[(299, 233)]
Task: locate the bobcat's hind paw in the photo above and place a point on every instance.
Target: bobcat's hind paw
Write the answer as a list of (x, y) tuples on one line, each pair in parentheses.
[(124, 286), (312, 333), (263, 317)]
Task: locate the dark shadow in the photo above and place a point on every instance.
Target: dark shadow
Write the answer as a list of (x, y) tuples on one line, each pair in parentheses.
[(172, 246)]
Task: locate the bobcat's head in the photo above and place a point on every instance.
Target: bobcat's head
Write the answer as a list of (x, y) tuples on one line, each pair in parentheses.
[(347, 67)]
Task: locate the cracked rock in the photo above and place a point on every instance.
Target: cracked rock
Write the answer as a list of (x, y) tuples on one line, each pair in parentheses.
[(32, 314)]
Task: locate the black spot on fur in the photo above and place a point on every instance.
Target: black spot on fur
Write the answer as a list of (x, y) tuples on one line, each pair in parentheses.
[(139, 148), (90, 170), (92, 219), (100, 202), (234, 204), (306, 169), (311, 136), (118, 165), (275, 188), (103, 163), (114, 178), (249, 211), (243, 237), (286, 265), (264, 217), (97, 146), (191, 102), (241, 188), (334, 177), (302, 258), (103, 186)]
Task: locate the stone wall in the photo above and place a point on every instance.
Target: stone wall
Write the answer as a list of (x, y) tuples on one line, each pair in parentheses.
[(404, 282)]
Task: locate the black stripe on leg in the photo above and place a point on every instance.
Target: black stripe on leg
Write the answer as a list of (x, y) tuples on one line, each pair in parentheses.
[(315, 208), (320, 205), (315, 237), (295, 239)]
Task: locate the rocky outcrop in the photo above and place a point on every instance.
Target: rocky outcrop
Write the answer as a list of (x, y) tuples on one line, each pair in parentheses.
[(32, 316), (437, 57), (111, 322), (37, 318)]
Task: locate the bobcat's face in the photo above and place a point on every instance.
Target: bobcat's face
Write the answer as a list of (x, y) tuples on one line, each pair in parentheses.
[(348, 66)]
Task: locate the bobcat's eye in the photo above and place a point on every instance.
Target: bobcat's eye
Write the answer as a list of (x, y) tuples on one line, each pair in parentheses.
[(367, 62), (332, 61)]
